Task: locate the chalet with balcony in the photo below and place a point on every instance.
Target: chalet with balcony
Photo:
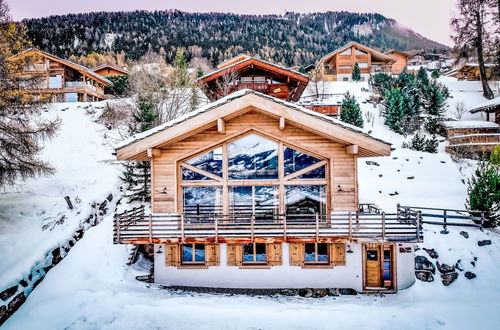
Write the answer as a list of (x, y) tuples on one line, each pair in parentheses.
[(471, 138), (107, 70), (251, 191), (245, 72), (470, 71), (339, 64), (63, 80), (401, 62)]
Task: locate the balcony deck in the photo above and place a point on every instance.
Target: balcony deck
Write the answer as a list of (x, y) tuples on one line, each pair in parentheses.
[(136, 227)]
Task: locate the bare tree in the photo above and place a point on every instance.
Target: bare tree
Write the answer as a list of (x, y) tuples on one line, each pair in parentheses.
[(471, 34), (460, 110), (317, 84), (21, 129), (226, 84)]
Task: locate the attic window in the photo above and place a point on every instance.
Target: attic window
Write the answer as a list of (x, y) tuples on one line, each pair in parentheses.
[(346, 52), (360, 52)]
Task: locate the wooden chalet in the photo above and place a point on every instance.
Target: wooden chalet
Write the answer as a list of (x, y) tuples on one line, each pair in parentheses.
[(251, 191), (470, 71), (472, 138), (245, 72), (401, 58), (339, 64), (65, 81), (489, 109), (107, 70)]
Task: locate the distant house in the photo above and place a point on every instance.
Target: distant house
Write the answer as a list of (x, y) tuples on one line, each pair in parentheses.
[(470, 71), (251, 191), (490, 110), (245, 72), (65, 81), (472, 138), (402, 59), (339, 64), (107, 70)]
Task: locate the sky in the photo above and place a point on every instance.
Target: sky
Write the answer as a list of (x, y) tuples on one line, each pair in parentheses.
[(427, 17)]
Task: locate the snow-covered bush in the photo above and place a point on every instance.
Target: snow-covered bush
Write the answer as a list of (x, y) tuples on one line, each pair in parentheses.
[(351, 112), (484, 192), (421, 143)]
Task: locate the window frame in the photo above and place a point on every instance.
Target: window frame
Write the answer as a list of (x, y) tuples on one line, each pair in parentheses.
[(316, 261), (193, 261), (254, 253), (225, 183)]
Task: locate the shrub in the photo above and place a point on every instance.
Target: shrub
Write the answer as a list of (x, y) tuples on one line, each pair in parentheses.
[(420, 143), (120, 85), (356, 74), (435, 74), (484, 192), (495, 156)]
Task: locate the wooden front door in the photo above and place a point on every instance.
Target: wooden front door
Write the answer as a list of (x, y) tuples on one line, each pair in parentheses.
[(373, 275)]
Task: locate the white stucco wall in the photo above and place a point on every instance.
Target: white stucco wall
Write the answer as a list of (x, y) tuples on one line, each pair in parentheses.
[(284, 276), (405, 271), (340, 77)]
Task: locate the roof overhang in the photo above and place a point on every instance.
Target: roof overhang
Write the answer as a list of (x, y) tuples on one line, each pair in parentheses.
[(136, 148), (374, 52)]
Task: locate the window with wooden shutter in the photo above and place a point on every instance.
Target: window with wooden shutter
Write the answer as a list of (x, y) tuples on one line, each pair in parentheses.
[(296, 254), (234, 254), (172, 255), (274, 254), (337, 254), (212, 254)]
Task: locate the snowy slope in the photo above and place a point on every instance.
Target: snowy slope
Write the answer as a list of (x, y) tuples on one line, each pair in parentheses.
[(93, 289), (34, 215)]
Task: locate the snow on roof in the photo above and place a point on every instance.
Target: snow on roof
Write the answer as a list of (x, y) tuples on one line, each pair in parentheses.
[(470, 124), (224, 68), (107, 65), (137, 137), (488, 105)]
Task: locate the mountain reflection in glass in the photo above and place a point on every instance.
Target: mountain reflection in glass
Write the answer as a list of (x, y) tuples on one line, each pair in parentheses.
[(254, 199), (192, 175), (202, 200), (305, 199), (253, 157), (210, 162), (296, 160), (317, 173)]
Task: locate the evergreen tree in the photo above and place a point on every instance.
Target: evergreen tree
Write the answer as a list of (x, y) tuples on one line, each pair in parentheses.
[(422, 76), (434, 99), (484, 192), (351, 112), (199, 72), (394, 110), (356, 74), (435, 74), (136, 176)]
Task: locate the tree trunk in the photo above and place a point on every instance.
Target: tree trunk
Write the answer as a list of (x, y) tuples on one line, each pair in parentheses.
[(479, 47)]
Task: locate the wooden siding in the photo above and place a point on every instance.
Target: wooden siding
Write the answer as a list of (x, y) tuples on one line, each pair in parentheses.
[(400, 64), (106, 72), (166, 195)]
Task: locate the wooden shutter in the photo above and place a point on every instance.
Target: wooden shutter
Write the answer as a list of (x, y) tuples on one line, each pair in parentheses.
[(234, 254), (172, 254), (337, 254), (296, 254), (274, 254), (212, 255)]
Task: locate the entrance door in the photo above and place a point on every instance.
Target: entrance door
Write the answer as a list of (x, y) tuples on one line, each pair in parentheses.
[(379, 266)]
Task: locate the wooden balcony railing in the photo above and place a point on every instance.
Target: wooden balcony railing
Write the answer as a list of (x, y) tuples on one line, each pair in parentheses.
[(477, 139), (136, 227)]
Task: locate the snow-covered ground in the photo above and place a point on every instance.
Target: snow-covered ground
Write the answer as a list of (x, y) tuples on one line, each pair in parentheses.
[(92, 288)]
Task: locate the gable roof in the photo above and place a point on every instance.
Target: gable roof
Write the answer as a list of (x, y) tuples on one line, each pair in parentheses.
[(488, 106), (191, 123), (400, 52), (111, 66), (77, 67), (233, 60), (359, 46)]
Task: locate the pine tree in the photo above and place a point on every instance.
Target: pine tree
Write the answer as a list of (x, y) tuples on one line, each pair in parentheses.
[(422, 76), (484, 192), (136, 176), (356, 74), (434, 99), (351, 112), (435, 74), (394, 110)]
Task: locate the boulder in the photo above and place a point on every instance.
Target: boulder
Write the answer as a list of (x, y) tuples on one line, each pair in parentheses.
[(422, 263), (444, 268), (348, 292), (306, 293), (333, 292), (371, 162), (7, 293), (464, 234), (110, 197), (56, 256), (484, 242), (424, 276), (23, 283), (320, 293), (470, 275), (449, 278), (432, 253), (16, 302), (3, 314), (289, 292)]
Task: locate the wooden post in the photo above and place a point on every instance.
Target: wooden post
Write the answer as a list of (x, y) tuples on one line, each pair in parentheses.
[(383, 226), (284, 226), (317, 227), (350, 226), (418, 219), (150, 228), (445, 229), (117, 224), (216, 224), (252, 223), (182, 227)]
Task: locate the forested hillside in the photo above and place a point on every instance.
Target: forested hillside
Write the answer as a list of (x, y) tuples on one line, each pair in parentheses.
[(290, 39)]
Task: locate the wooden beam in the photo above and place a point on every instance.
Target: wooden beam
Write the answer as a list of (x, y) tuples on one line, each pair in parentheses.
[(221, 126), (282, 123), (153, 153), (352, 149)]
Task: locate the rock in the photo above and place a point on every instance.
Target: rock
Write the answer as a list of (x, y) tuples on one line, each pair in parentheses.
[(110, 197), (444, 268), (449, 278), (23, 283), (394, 193), (320, 293), (443, 161), (473, 263), (289, 292), (371, 162), (38, 281), (3, 314), (56, 256), (422, 263), (464, 234), (394, 157), (306, 293), (410, 177), (484, 242), (432, 253), (347, 291), (333, 292), (470, 275), (16, 302), (380, 175), (458, 265), (424, 276), (7, 293), (68, 201), (103, 205)]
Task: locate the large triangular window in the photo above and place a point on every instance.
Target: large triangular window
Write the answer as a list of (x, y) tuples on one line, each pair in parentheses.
[(207, 166), (297, 161), (252, 157)]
